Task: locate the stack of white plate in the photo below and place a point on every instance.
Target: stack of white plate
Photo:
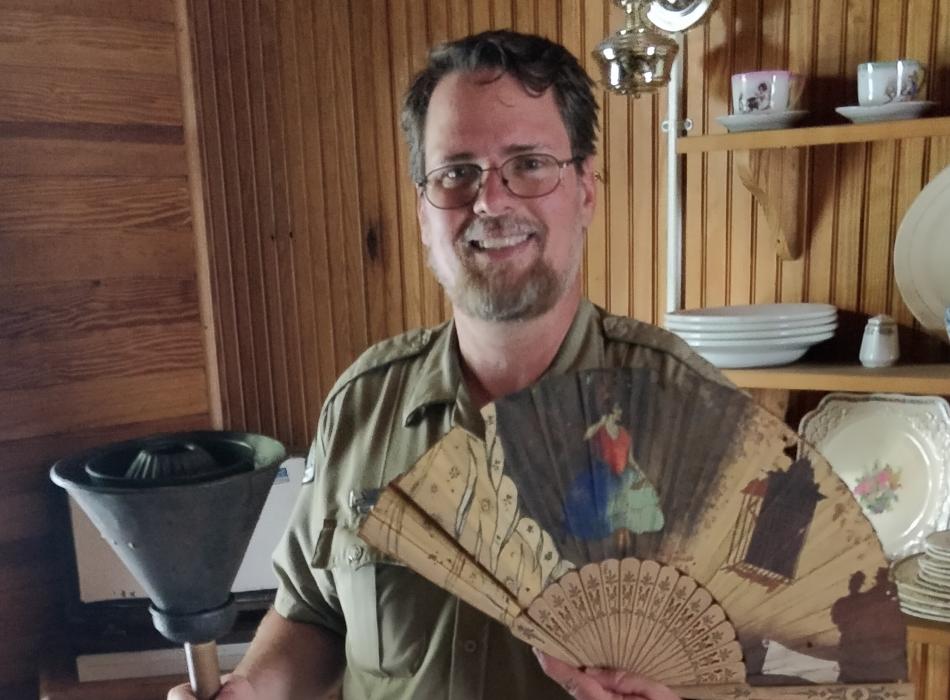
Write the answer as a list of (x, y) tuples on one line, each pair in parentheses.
[(923, 580), (754, 335)]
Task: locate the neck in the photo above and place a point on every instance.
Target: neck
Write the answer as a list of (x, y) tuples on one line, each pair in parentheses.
[(502, 357)]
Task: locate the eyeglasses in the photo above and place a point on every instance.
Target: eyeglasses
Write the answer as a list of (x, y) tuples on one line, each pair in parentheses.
[(527, 175)]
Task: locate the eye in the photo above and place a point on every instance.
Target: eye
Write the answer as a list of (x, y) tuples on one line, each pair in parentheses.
[(530, 163), (454, 176)]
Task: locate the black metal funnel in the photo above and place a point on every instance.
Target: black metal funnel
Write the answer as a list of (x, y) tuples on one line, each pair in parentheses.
[(179, 510)]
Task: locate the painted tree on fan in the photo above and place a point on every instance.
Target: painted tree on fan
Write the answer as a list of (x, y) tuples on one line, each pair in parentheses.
[(612, 495)]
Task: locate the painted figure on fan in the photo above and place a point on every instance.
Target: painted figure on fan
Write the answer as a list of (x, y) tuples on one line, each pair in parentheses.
[(612, 494)]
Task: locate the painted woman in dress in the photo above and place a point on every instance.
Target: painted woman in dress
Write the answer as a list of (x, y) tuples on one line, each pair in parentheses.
[(612, 494)]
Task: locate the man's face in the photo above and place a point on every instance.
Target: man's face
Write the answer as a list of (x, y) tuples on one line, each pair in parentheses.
[(503, 257)]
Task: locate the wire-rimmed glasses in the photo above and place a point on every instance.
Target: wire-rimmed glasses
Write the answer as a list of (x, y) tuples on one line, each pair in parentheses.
[(526, 175)]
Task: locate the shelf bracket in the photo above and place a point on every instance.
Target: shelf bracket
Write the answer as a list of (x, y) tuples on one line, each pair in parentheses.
[(776, 179)]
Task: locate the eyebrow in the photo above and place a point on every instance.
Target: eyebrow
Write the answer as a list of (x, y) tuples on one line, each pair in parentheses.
[(512, 150)]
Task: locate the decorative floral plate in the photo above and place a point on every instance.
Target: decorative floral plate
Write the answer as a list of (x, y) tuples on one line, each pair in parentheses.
[(893, 452)]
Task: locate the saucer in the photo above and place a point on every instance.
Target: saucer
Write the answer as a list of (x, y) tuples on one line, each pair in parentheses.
[(761, 121), (888, 112)]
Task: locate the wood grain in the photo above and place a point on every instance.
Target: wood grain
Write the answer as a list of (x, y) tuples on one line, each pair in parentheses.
[(64, 94), (43, 206), (58, 157), (95, 403), (39, 39)]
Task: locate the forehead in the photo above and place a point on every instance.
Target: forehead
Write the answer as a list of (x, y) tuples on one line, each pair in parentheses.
[(472, 116)]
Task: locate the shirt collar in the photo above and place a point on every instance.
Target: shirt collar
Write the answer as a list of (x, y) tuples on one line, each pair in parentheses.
[(440, 377)]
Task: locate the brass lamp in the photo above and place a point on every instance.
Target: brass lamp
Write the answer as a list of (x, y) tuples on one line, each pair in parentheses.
[(639, 57)]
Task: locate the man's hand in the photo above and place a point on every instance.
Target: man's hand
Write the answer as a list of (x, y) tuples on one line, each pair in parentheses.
[(602, 684), (233, 687)]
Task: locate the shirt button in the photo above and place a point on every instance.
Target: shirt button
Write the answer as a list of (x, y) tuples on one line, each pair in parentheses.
[(354, 554), (470, 645)]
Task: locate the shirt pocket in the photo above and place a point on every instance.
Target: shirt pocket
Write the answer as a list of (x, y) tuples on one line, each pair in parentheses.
[(387, 629)]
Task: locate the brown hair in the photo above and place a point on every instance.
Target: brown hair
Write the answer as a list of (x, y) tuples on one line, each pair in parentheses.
[(537, 63)]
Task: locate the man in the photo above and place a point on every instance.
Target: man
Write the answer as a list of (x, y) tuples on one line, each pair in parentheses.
[(501, 130)]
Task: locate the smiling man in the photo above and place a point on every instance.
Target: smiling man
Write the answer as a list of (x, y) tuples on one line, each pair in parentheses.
[(501, 131)]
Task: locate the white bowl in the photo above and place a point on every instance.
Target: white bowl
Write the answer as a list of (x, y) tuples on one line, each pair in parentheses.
[(757, 353)]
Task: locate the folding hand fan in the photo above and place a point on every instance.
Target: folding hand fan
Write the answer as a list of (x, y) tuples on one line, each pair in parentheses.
[(661, 523)]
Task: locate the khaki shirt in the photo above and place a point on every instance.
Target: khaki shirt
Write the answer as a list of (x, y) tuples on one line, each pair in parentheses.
[(405, 637)]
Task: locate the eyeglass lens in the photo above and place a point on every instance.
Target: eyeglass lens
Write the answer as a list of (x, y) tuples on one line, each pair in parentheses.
[(527, 175)]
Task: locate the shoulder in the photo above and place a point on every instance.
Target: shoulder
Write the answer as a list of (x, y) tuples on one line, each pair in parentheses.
[(387, 355), (633, 334)]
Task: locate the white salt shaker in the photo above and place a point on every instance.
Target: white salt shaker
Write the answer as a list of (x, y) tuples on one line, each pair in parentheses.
[(879, 347)]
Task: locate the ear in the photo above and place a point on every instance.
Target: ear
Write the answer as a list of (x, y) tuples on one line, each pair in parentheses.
[(588, 190), (422, 215)]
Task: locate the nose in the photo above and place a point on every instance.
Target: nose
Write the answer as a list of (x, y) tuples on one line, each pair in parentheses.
[(493, 198)]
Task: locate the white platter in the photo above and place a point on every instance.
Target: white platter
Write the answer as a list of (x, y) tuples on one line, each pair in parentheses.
[(761, 121), (885, 113), (922, 254), (757, 334), (893, 452), (751, 316)]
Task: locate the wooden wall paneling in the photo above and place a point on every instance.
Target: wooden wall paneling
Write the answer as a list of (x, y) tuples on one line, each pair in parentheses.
[(56, 310), (81, 404), (387, 230), (548, 15), (35, 94), (258, 194), (218, 231), (715, 220), (743, 210), (310, 273), (596, 26), (88, 154), (411, 256), (646, 180), (851, 200), (617, 127), (695, 168), (351, 292), (252, 314), (502, 14), (287, 344), (148, 10), (796, 54), (423, 33), (60, 205), (42, 40), (39, 259), (481, 14), (366, 166), (829, 64), (52, 361), (459, 19), (882, 181)]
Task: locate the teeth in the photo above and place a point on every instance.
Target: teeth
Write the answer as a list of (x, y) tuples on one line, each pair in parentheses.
[(495, 243)]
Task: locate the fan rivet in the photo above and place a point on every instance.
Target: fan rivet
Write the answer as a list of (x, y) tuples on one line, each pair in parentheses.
[(354, 554), (470, 645)]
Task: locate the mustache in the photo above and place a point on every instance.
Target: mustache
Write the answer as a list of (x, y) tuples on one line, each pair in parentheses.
[(502, 227)]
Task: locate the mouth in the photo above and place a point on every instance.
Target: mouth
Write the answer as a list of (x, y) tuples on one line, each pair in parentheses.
[(499, 242)]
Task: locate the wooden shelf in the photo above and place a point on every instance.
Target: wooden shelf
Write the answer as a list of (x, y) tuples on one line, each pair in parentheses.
[(816, 135), (932, 379)]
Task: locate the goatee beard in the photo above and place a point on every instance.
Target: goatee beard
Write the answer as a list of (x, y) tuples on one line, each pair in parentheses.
[(495, 292)]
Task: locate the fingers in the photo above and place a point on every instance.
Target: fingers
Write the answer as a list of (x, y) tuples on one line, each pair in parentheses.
[(232, 688), (629, 684), (573, 680), (602, 684)]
